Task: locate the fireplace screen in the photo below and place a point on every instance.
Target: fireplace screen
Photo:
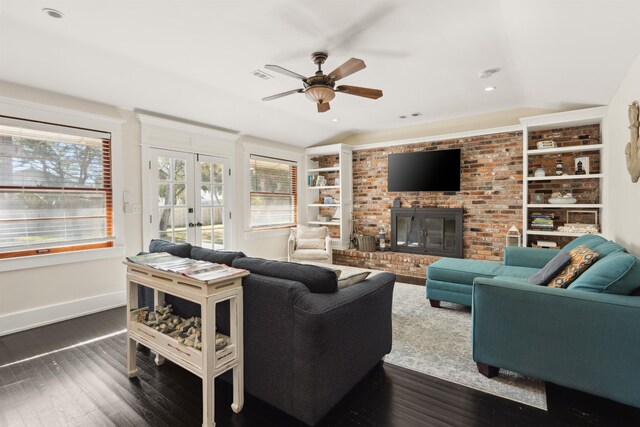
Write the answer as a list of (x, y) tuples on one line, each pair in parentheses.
[(427, 231)]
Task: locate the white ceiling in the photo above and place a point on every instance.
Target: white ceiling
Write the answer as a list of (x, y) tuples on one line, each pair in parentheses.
[(193, 59)]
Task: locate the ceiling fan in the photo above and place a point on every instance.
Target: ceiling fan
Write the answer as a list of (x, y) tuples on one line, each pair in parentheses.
[(320, 87)]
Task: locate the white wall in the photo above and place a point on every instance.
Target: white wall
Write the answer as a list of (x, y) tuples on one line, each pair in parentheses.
[(43, 294), (624, 196)]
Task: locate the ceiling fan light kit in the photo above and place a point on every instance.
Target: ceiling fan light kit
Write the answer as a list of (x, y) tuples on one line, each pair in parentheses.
[(319, 88)]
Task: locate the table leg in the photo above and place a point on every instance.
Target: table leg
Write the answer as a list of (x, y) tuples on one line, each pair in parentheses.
[(131, 359), (208, 401), (238, 388)]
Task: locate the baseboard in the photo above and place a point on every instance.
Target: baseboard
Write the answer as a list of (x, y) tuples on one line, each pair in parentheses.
[(27, 319)]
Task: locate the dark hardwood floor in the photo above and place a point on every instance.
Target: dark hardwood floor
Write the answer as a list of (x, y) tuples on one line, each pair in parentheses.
[(87, 385)]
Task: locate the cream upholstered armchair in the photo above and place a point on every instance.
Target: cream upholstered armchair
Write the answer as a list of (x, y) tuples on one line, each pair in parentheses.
[(310, 244)]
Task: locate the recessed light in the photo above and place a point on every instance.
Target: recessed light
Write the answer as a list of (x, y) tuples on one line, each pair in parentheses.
[(489, 88), (52, 12), (334, 120)]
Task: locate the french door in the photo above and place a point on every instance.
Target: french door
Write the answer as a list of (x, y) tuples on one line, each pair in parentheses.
[(189, 198)]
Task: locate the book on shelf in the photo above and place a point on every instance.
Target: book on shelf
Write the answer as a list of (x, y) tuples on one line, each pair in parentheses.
[(195, 269)]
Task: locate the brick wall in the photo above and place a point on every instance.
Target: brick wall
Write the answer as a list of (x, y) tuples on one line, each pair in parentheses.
[(490, 190)]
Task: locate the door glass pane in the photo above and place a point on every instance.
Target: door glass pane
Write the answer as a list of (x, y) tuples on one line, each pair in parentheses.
[(165, 224), (164, 194), (164, 168), (205, 195), (205, 172), (218, 199), (218, 169), (180, 220), (206, 229), (179, 170), (180, 196), (218, 228)]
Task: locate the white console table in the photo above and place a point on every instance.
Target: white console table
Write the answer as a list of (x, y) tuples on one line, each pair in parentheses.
[(206, 363)]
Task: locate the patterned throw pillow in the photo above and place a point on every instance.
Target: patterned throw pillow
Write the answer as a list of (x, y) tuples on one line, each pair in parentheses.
[(581, 258)]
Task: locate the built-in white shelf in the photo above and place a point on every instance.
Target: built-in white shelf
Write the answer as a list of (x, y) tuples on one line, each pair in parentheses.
[(555, 233), (323, 187), (317, 170), (570, 149), (336, 223), (566, 205), (323, 205), (554, 177)]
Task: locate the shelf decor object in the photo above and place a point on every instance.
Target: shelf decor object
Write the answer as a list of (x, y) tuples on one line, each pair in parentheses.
[(582, 165), (632, 150), (513, 237)]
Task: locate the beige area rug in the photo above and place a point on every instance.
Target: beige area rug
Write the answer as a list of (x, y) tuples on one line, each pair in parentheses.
[(437, 342)]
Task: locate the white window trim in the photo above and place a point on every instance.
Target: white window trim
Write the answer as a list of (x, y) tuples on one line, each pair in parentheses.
[(261, 150), (69, 117)]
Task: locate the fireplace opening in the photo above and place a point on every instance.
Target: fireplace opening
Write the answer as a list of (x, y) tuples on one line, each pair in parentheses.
[(431, 231)]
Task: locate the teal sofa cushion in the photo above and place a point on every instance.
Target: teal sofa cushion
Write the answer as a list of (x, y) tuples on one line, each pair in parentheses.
[(618, 273), (608, 248), (464, 271), (589, 240)]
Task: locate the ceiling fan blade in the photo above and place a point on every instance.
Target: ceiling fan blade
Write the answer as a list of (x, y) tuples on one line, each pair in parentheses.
[(323, 107), (279, 69), (360, 91), (280, 95), (351, 66)]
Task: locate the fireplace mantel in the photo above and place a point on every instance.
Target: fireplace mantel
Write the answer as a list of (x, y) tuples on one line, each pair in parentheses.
[(428, 231)]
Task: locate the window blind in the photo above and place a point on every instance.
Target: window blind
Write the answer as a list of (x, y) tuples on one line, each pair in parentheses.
[(55, 187), (273, 192)]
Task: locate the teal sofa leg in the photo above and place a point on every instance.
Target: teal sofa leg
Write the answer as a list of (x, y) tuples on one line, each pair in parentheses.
[(487, 370), (434, 303)]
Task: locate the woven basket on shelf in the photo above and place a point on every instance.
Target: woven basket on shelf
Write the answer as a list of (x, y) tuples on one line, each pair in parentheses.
[(367, 243)]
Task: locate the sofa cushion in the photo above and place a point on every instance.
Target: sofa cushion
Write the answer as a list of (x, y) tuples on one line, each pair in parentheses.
[(551, 269), (219, 257), (303, 232), (347, 279), (310, 254), (310, 243), (182, 250), (463, 271), (589, 240), (608, 248), (581, 259), (317, 279), (618, 273)]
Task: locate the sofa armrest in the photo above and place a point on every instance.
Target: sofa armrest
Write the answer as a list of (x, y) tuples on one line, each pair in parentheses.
[(528, 257), (339, 338), (587, 341)]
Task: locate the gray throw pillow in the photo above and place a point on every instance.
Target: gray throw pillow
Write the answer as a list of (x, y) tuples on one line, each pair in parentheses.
[(550, 270)]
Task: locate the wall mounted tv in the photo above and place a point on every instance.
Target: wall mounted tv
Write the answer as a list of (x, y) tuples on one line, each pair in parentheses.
[(437, 170)]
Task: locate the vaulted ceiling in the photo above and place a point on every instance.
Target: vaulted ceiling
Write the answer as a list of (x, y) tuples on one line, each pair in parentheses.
[(194, 59)]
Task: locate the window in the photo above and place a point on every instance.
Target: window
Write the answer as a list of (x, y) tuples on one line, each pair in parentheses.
[(273, 192), (55, 188)]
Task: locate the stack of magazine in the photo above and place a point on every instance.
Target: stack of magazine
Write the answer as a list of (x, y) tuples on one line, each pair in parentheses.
[(195, 269)]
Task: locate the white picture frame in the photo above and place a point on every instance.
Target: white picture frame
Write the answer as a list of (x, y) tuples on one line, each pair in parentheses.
[(585, 164)]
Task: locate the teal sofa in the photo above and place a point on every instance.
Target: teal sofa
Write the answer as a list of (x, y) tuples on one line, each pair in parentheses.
[(451, 279), (585, 337)]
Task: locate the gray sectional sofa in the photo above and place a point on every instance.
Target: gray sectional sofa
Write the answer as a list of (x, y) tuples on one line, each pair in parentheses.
[(306, 342)]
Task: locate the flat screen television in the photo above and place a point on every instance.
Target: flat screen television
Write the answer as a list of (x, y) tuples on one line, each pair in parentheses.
[(437, 170)]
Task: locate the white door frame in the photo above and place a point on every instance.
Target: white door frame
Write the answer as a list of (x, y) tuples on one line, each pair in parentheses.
[(148, 230)]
